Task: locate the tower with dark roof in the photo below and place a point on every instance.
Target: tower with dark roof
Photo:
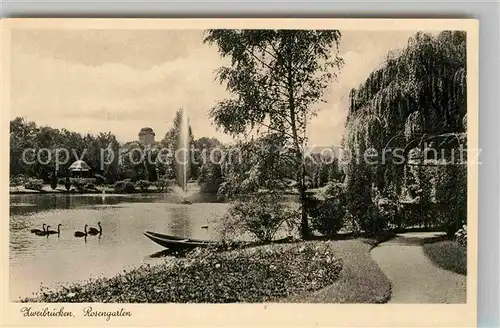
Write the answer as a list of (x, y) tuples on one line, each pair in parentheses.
[(147, 136)]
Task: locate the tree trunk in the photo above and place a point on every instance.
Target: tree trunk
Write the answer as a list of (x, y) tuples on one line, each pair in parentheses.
[(300, 177), (145, 162), (304, 224)]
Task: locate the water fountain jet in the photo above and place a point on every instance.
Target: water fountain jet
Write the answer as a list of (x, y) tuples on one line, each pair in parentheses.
[(183, 165)]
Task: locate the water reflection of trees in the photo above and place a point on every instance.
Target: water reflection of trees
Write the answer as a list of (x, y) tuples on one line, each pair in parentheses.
[(29, 204), (179, 223)]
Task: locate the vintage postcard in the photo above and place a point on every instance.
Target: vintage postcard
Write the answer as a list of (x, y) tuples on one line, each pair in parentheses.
[(239, 172)]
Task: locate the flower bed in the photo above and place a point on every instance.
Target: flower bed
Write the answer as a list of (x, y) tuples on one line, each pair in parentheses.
[(256, 274)]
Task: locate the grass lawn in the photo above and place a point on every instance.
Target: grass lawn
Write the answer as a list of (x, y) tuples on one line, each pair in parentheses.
[(360, 281), (448, 255)]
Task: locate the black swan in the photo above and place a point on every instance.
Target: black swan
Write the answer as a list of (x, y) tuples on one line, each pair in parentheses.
[(42, 233), (52, 232), (81, 234), (38, 230), (94, 231)]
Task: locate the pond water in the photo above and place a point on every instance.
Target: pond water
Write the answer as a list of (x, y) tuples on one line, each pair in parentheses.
[(49, 260)]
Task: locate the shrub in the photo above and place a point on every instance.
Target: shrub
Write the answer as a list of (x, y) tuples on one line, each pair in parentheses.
[(67, 184), (124, 187), (81, 184), (461, 236), (82, 181), (373, 221), (34, 184), (164, 183), (62, 181), (260, 215), (389, 209), (351, 224), (143, 185), (451, 191), (99, 179), (334, 189), (326, 216), (53, 181), (90, 186), (210, 178), (358, 193), (18, 180), (328, 210)]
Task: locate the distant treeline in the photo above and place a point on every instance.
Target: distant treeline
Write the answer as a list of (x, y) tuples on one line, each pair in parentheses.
[(34, 150), (143, 165)]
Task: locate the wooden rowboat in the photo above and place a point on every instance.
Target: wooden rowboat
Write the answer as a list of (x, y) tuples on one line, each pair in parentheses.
[(177, 243)]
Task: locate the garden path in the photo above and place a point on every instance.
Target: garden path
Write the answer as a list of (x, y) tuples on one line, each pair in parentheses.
[(414, 278)]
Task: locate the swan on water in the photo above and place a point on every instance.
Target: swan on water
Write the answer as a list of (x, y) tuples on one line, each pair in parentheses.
[(51, 232), (38, 230), (42, 233), (94, 231), (82, 234)]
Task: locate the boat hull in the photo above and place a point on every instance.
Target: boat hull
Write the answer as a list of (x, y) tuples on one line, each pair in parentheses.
[(177, 243)]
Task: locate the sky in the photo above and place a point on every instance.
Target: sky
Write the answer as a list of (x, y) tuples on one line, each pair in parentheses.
[(92, 81)]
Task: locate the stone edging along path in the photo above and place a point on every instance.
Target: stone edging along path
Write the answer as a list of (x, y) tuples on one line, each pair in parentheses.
[(414, 278)]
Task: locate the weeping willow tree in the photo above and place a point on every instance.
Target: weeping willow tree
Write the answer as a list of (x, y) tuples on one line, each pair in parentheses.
[(420, 90)]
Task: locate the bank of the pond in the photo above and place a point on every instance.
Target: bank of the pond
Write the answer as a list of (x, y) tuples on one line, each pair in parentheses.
[(257, 274), (46, 189)]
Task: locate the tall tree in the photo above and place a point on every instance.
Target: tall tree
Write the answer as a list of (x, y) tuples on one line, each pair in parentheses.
[(419, 91), (275, 78)]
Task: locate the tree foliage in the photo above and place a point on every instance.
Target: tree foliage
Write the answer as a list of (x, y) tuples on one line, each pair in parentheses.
[(257, 165), (419, 91), (253, 214), (276, 77), (328, 210), (45, 141)]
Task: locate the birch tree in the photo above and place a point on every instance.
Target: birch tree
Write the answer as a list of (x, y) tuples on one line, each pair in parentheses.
[(275, 79)]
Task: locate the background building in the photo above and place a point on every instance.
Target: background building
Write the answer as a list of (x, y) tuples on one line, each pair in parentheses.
[(147, 136)]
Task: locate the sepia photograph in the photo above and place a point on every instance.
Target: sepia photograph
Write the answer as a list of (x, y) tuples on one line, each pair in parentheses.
[(239, 165)]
